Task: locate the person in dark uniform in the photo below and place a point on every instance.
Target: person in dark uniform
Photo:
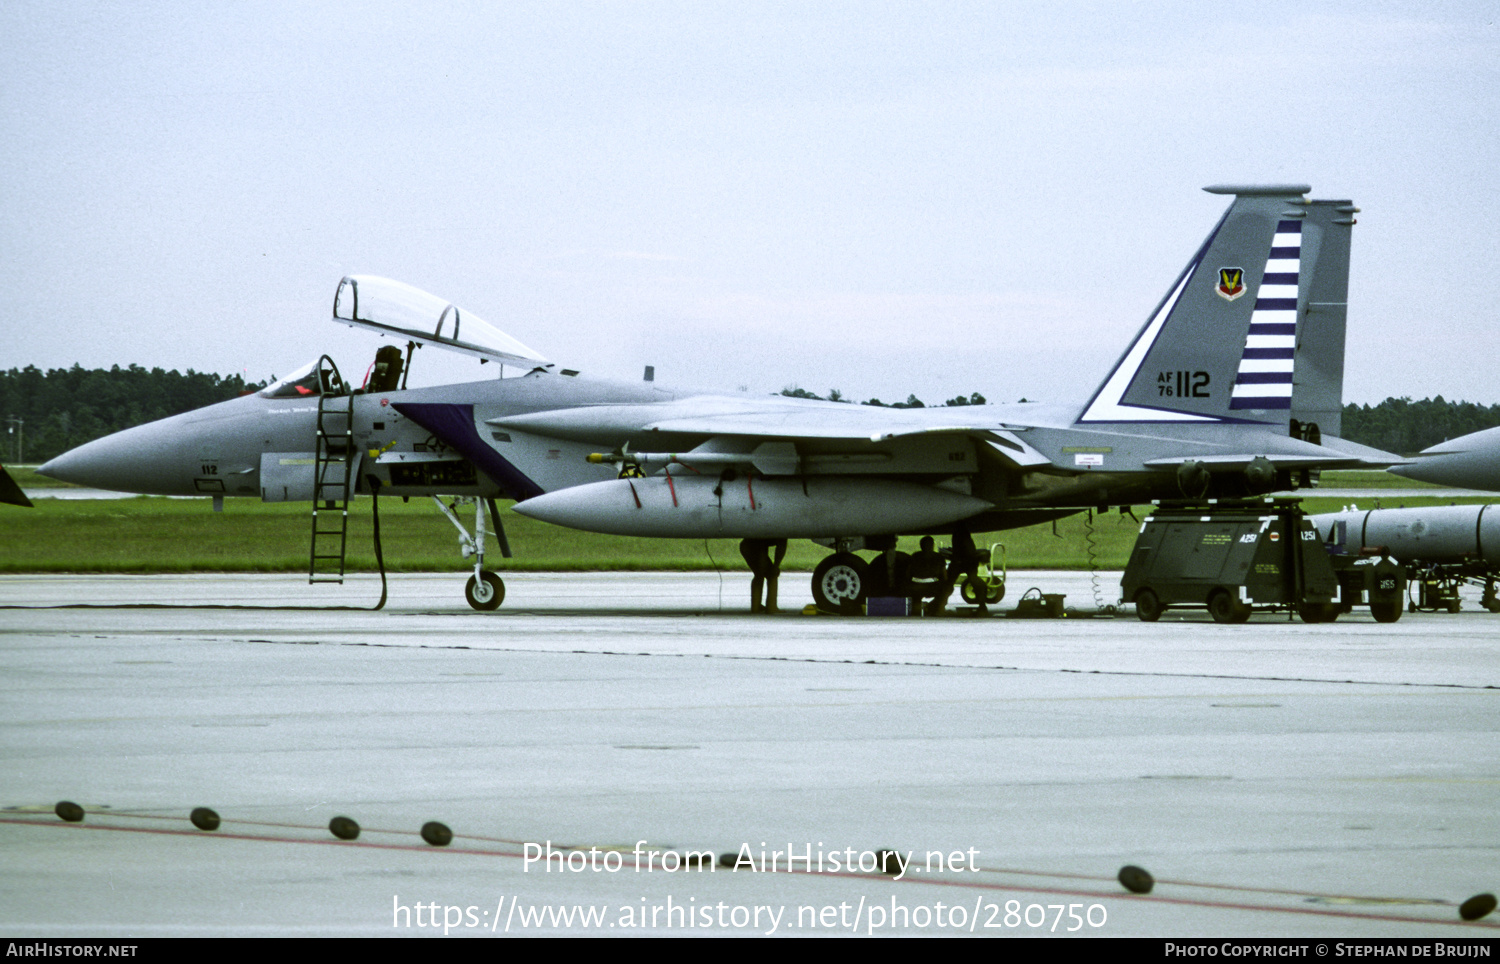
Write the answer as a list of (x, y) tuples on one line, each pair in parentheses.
[(926, 573), (965, 564), (765, 570)]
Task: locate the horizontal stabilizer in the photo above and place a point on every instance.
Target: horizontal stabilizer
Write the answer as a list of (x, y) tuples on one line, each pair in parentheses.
[(1334, 453), (1365, 456)]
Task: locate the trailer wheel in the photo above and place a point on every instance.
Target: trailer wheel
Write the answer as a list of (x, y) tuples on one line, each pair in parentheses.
[(1148, 607), (1386, 612), (976, 589), (1224, 608), (1318, 612)]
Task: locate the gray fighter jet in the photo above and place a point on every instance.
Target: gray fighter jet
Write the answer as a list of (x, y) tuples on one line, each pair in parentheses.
[(1468, 462), (1232, 387)]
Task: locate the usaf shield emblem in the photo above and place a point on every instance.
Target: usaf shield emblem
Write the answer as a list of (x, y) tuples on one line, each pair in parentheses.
[(1231, 283)]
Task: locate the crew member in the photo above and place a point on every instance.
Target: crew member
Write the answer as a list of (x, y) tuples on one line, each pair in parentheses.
[(926, 576), (965, 565), (765, 570)]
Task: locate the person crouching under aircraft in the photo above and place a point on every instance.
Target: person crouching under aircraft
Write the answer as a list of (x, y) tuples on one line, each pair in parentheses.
[(927, 571), (764, 569)]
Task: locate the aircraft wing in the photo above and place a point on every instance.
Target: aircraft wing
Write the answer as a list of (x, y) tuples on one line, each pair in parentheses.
[(713, 415), (773, 419), (687, 422)]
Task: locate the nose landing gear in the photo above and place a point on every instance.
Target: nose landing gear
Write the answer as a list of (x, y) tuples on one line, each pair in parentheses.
[(485, 591)]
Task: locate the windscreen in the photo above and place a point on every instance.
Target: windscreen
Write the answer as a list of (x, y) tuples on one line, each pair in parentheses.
[(302, 383)]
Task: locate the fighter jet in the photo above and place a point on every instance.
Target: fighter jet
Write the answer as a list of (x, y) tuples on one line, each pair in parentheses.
[(1468, 462), (1232, 387)]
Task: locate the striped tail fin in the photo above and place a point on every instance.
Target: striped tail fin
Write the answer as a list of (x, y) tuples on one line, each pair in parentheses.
[(1264, 380), (1252, 330)]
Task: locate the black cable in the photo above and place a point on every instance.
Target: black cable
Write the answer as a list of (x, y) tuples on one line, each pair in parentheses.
[(379, 556)]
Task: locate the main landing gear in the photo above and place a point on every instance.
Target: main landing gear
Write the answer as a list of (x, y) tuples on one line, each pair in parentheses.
[(485, 590), (841, 583)]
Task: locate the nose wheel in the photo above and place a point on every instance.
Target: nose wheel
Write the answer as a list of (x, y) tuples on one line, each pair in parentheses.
[(485, 591)]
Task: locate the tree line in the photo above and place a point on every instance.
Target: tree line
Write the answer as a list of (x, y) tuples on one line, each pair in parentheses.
[(47, 413), (1406, 427), (50, 412)]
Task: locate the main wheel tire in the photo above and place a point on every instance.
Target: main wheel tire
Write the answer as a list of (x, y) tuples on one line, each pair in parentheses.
[(1224, 608), (485, 592), (1148, 607), (841, 583), (1386, 612)]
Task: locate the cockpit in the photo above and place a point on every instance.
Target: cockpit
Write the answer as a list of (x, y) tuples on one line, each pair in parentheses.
[(412, 315), (309, 381)]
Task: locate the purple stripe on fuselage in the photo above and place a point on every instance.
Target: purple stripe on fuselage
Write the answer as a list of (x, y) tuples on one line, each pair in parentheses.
[(1285, 253), (1260, 403), (1269, 353), (1279, 278), (454, 424), (1275, 304), (1264, 378), (1268, 328), (1289, 227)]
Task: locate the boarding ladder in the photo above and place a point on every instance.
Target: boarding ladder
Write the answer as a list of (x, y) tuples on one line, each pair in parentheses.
[(333, 475)]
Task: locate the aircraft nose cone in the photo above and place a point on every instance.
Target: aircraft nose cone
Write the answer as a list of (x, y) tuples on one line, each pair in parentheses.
[(152, 459), (95, 464), (195, 453), (57, 468)]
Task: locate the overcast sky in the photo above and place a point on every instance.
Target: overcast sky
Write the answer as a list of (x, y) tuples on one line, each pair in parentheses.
[(882, 198)]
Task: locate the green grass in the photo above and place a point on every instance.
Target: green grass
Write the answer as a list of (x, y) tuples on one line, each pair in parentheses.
[(1370, 479), (145, 534)]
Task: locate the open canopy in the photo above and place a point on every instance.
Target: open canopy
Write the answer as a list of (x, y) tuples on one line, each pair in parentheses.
[(393, 308)]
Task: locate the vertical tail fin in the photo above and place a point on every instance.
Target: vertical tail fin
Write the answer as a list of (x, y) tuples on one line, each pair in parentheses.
[(1318, 379), (1233, 340)]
